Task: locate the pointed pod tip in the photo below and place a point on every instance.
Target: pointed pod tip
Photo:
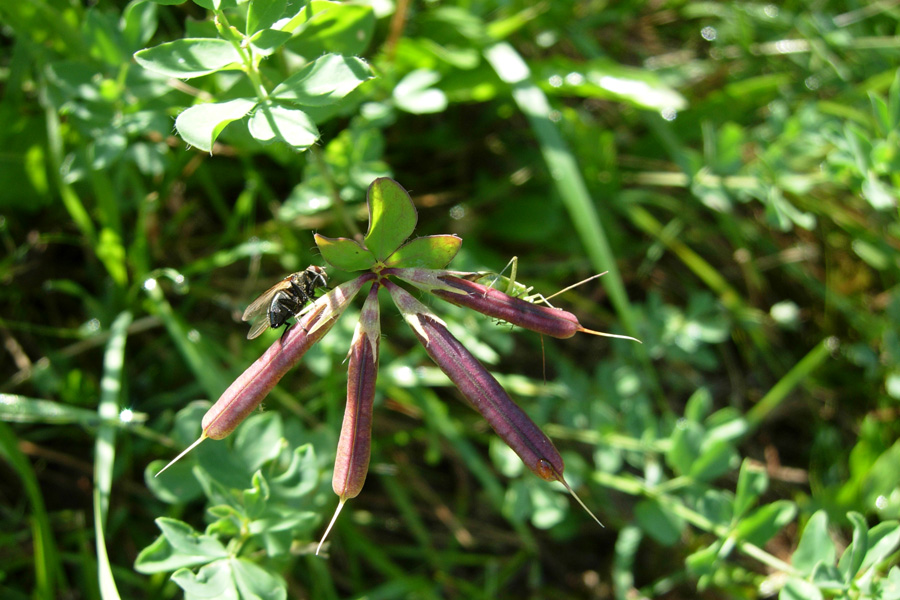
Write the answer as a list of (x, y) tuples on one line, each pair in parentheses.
[(337, 511), (551, 473), (610, 335), (202, 437)]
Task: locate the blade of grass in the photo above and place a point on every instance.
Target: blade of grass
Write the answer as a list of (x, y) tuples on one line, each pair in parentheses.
[(570, 185), (809, 363), (47, 570), (105, 449), (565, 172)]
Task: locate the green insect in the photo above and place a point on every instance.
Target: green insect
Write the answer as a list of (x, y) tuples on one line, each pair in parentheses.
[(516, 289)]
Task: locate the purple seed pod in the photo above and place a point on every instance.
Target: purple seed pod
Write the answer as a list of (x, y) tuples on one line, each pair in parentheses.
[(449, 286), (248, 391), (480, 388), (355, 445)]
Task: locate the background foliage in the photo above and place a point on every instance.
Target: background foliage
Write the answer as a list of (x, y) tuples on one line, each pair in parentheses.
[(732, 164)]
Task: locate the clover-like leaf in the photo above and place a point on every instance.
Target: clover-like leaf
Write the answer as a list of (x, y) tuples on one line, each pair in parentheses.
[(344, 254), (429, 252), (325, 81), (392, 217), (190, 57), (201, 124), (273, 121)]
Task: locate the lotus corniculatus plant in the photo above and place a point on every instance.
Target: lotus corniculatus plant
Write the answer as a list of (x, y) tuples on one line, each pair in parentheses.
[(385, 256)]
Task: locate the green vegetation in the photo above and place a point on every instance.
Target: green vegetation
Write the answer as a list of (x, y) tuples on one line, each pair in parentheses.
[(732, 165)]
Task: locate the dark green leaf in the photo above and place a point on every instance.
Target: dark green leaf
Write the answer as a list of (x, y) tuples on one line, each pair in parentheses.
[(883, 539), (189, 57), (253, 581)]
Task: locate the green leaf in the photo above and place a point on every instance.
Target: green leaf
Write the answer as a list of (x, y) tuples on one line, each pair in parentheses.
[(604, 78), (344, 254), (827, 576), (211, 581), (177, 486), (685, 448), (178, 546), (273, 121), (717, 457), (201, 124), (698, 405), (325, 81), (342, 28), (883, 539), (392, 217), (267, 41), (659, 521), (262, 14), (189, 57), (429, 252), (752, 482), (415, 94), (799, 589), (763, 523), (255, 582), (852, 558), (815, 544), (19, 409)]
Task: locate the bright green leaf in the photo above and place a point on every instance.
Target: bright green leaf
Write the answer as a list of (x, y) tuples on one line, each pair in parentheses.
[(189, 57), (255, 582), (752, 482), (604, 78), (815, 544), (415, 94), (429, 252), (214, 580), (883, 539), (852, 558), (262, 14), (201, 124), (344, 254), (799, 589), (342, 28), (277, 122), (325, 81), (392, 217)]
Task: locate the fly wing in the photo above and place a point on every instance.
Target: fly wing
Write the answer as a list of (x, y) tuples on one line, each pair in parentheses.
[(259, 326), (260, 306)]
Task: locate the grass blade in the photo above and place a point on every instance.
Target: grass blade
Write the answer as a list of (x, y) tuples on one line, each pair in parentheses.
[(104, 448)]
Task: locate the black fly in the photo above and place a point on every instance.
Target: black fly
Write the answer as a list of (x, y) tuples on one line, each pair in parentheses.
[(284, 300)]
